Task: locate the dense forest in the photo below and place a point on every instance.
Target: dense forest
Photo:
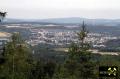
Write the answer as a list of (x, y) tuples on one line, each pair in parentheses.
[(17, 61)]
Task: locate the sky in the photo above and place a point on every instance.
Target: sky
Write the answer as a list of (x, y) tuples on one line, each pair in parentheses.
[(43, 9)]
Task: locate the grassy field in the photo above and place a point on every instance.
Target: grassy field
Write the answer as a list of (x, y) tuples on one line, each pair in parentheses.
[(93, 51), (61, 49)]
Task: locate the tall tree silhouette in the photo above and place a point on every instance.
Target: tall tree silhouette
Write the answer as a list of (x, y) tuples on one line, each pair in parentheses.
[(82, 35), (2, 15), (78, 65)]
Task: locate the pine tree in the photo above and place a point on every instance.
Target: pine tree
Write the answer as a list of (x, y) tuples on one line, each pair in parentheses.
[(79, 64), (17, 64)]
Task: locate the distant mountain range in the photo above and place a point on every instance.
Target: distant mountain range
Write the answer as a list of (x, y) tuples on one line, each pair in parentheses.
[(72, 20)]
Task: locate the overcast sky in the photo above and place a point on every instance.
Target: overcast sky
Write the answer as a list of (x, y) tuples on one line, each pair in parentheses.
[(41, 9)]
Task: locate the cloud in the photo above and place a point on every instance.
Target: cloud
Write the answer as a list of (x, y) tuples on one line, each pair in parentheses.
[(61, 8)]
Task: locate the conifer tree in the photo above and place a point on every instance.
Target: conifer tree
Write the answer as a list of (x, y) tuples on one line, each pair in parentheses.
[(17, 64), (79, 63)]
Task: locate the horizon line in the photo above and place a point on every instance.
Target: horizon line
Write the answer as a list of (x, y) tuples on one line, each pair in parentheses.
[(61, 18)]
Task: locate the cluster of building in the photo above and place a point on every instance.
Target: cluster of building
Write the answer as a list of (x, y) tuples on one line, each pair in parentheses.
[(66, 37), (51, 37), (99, 39)]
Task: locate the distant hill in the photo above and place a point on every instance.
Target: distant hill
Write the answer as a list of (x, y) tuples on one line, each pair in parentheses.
[(78, 20), (71, 20), (12, 20)]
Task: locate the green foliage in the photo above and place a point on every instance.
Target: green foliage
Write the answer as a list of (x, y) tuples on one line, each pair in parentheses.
[(79, 64), (43, 70), (17, 64), (83, 32)]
